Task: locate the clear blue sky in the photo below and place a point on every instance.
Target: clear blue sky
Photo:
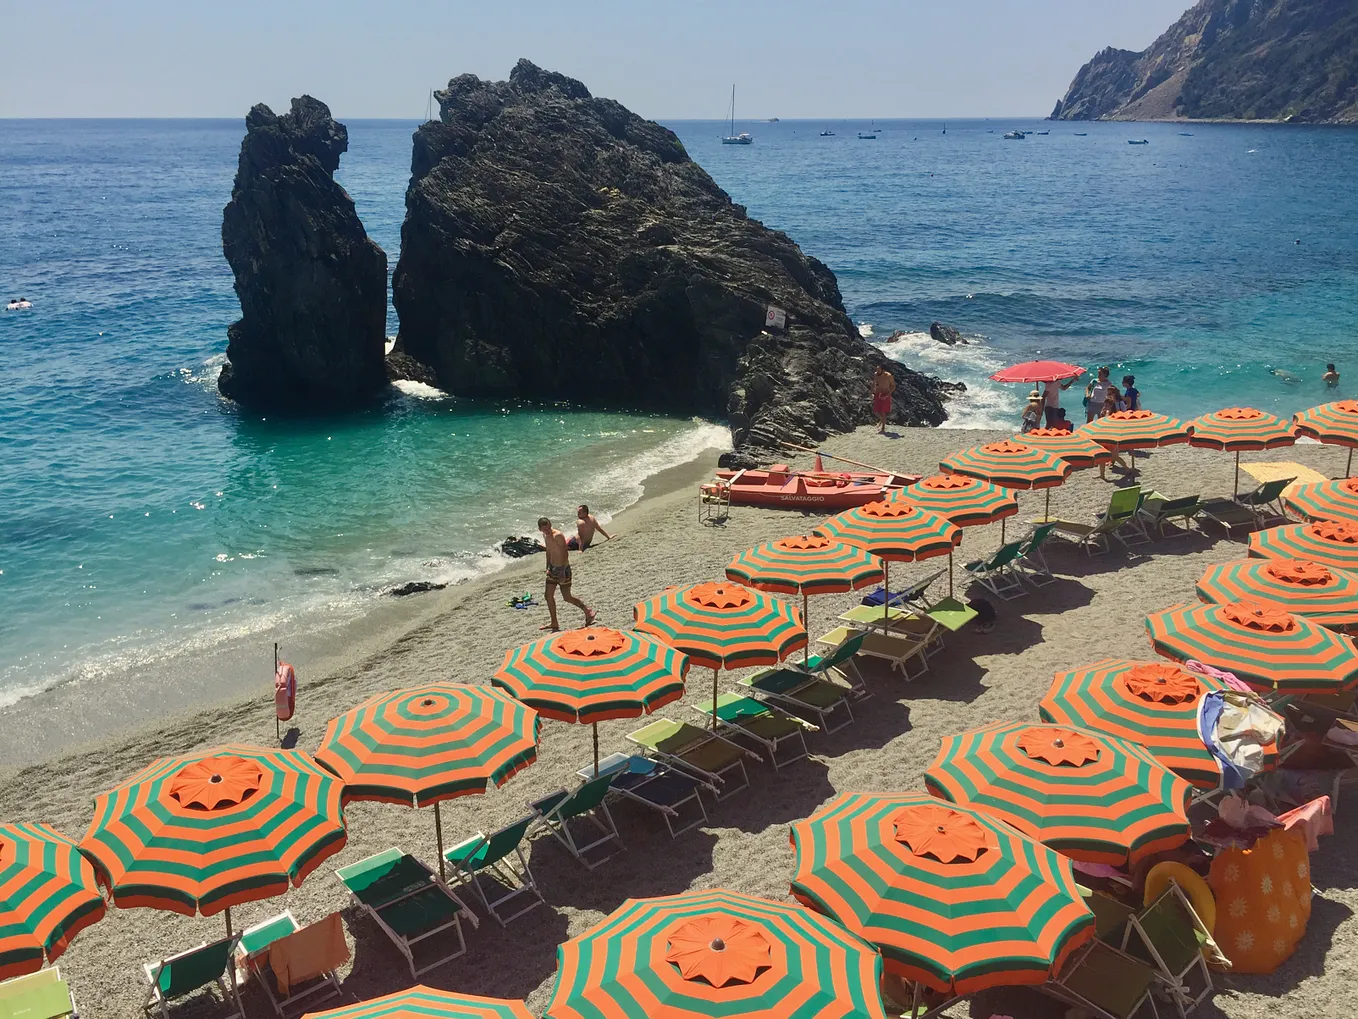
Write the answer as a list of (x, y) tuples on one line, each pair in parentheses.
[(668, 60)]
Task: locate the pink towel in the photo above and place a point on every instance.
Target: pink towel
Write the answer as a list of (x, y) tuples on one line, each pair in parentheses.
[(1314, 819), (1229, 678)]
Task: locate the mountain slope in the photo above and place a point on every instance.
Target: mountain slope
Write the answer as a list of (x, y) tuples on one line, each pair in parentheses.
[(1230, 60)]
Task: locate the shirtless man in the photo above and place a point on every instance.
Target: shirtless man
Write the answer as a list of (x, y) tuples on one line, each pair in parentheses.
[(586, 524), (559, 574), (883, 385)]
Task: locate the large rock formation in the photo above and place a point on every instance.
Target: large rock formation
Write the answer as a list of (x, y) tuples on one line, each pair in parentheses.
[(312, 286), (558, 247), (1232, 60)]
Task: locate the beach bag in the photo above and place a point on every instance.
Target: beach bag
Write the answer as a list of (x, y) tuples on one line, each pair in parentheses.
[(284, 691), (1263, 900)]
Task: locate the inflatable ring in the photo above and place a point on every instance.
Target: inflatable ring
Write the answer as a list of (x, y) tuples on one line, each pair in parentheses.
[(1189, 882)]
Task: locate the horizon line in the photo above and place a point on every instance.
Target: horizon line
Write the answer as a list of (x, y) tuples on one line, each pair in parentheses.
[(679, 120)]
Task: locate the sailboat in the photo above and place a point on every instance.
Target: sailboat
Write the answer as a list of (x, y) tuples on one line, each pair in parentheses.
[(870, 134), (744, 137)]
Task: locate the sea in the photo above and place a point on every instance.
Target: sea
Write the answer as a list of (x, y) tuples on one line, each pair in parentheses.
[(143, 518)]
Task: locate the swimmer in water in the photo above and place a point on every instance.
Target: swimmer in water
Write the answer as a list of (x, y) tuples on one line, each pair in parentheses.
[(1331, 376), (1285, 375)]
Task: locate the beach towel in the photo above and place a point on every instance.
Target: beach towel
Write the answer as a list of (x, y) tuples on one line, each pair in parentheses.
[(308, 953), (1312, 819), (284, 691), (1235, 728), (1264, 471)]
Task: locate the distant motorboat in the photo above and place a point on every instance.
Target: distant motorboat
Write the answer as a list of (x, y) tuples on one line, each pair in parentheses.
[(773, 120), (827, 133), (1081, 134), (1138, 141), (744, 138), (1185, 134), (1015, 136), (870, 134), (1043, 132), (19, 304)]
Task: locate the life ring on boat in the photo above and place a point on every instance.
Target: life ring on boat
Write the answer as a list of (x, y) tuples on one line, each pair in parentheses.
[(1190, 883)]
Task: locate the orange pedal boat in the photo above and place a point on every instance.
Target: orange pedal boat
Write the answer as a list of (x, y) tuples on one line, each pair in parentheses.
[(780, 487)]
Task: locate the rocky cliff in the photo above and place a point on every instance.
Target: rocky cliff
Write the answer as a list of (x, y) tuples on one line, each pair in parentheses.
[(558, 247), (312, 286), (1232, 60)]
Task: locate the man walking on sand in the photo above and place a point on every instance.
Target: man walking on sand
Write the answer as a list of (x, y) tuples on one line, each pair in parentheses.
[(883, 385), (559, 574)]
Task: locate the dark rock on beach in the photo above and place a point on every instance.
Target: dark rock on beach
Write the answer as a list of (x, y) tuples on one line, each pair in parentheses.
[(518, 547), (312, 286), (1294, 60), (558, 247), (947, 334), (414, 587)]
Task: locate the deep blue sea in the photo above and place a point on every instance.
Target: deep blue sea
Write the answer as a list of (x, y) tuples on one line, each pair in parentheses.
[(141, 516)]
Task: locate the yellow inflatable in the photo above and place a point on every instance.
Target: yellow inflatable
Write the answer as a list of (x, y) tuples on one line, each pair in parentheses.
[(1194, 887)]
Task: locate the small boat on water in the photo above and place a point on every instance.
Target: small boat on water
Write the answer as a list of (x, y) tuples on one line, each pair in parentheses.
[(1081, 134), (827, 133), (780, 487), (1138, 141), (870, 134), (1185, 134), (1040, 133), (1015, 136), (744, 138)]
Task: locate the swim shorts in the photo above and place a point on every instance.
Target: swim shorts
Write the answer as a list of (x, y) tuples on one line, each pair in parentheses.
[(559, 575), (881, 403)]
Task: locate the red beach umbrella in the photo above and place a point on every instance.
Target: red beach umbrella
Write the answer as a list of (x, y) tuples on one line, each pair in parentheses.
[(1038, 371)]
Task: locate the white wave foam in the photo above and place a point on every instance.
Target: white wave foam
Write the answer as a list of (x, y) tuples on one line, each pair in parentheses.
[(865, 330), (625, 480), (205, 375), (420, 390), (985, 404)]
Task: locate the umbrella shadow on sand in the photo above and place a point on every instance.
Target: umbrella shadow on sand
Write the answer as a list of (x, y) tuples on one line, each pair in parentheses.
[(777, 797)]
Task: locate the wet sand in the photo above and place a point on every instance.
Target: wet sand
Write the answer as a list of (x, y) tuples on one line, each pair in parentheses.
[(67, 745)]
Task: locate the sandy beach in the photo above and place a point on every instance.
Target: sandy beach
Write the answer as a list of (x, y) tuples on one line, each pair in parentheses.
[(63, 747)]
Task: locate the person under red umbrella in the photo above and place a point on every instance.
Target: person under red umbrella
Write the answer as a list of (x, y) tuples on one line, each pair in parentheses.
[(1055, 376)]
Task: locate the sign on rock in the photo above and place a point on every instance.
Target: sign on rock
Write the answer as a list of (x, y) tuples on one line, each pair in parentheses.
[(775, 318)]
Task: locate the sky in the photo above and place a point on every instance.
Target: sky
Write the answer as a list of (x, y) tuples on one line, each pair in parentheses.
[(666, 61)]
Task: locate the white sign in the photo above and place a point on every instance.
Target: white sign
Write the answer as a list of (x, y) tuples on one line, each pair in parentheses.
[(775, 318)]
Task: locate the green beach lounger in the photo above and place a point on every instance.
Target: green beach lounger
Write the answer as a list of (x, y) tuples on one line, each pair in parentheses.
[(718, 762), (485, 863), (1266, 501), (1178, 513), (189, 971), (40, 995), (653, 784), (1169, 936), (1031, 564), (571, 814), (1229, 515), (408, 901), (999, 573), (807, 689), (765, 725), (1122, 509), (898, 647), (1108, 982), (253, 953)]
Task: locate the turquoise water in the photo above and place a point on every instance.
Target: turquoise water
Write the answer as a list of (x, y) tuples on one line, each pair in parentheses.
[(144, 517)]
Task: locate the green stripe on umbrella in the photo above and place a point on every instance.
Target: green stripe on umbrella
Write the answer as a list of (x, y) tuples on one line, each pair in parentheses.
[(1315, 592), (955, 899), (1325, 500), (47, 896), (421, 1002), (715, 955)]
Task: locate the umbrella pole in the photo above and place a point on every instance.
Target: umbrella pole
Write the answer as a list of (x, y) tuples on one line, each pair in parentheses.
[(1047, 513), (886, 593), (438, 834), (949, 573), (596, 749), (806, 651), (228, 921), (1348, 471), (714, 700), (1237, 475)]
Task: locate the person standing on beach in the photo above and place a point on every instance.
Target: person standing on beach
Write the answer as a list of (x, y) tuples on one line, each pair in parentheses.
[(586, 525), (1051, 398), (559, 574), (1096, 395), (883, 385)]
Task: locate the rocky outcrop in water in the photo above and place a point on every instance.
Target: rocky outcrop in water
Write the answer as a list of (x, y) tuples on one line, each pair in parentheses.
[(312, 286), (558, 247), (1293, 60), (947, 334)]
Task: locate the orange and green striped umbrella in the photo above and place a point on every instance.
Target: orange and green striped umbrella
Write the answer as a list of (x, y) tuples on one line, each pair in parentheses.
[(1072, 447), (1325, 500), (805, 565), (722, 625), (1335, 424), (594, 674), (715, 954), (1011, 464), (428, 744), (966, 502), (421, 1002), (1151, 703), (955, 899), (1241, 430), (1091, 796), (48, 895), (1135, 429), (893, 531), (1306, 589), (215, 828), (1332, 543), (1261, 643)]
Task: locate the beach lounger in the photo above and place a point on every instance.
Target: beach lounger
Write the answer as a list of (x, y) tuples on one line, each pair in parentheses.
[(1266, 501), (1123, 505), (717, 762), (1229, 515), (1159, 511), (485, 863), (40, 995), (293, 963), (767, 726), (896, 647), (580, 820), (408, 902), (1031, 563), (900, 621), (811, 689), (1108, 982), (1169, 936), (913, 596), (190, 971), (655, 785), (999, 572)]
